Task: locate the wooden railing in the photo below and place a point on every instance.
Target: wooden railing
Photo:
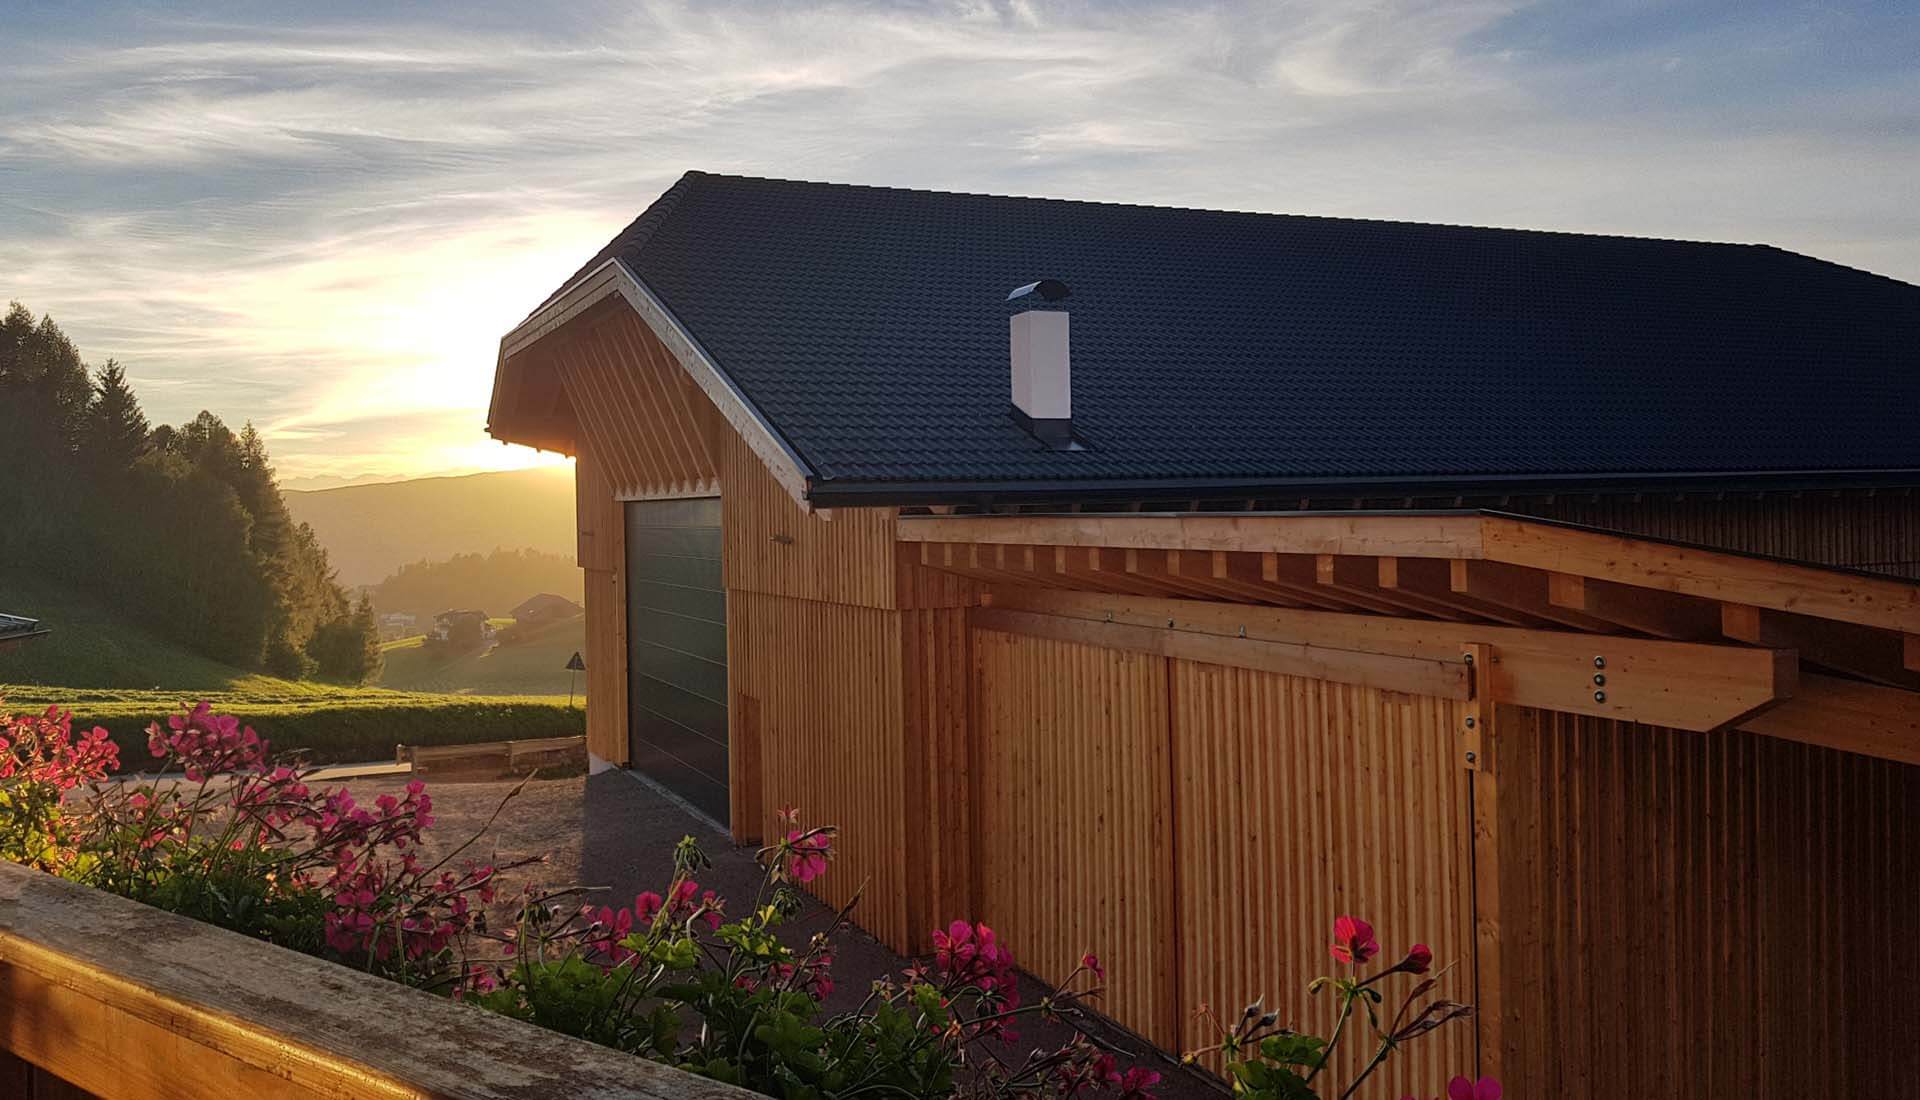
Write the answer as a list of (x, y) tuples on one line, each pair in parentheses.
[(104, 996)]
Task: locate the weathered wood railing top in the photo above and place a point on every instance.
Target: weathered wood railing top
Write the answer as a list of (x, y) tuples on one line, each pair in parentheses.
[(127, 1001)]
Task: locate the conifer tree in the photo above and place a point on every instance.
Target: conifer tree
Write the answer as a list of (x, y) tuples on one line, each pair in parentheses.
[(117, 433)]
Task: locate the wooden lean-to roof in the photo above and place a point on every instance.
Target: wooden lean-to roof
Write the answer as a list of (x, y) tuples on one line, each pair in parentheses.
[(1574, 619)]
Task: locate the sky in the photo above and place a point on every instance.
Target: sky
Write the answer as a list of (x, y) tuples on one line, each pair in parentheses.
[(322, 217)]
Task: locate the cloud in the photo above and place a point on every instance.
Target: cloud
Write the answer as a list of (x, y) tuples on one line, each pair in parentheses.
[(323, 220)]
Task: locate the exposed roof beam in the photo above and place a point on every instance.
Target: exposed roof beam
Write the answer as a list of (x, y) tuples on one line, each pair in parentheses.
[(1661, 614), (1435, 535), (1883, 602), (1842, 647), (1446, 679), (1843, 714), (1680, 684), (1691, 571)]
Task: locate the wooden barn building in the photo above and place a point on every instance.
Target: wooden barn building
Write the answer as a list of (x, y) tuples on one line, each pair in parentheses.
[(1165, 582)]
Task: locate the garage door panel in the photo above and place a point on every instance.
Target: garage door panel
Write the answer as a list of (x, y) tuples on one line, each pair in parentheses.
[(699, 675), (677, 649), (695, 636), (687, 572), (681, 778), (702, 754), (707, 605), (703, 716)]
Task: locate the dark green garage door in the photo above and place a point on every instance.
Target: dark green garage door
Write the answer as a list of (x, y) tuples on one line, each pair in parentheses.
[(677, 649)]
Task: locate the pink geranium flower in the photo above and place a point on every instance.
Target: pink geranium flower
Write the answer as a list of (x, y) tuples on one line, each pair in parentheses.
[(1418, 961), (808, 860), (1353, 941), (1486, 1088)]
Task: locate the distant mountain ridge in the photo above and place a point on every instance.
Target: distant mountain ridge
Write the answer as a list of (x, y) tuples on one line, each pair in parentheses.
[(369, 531)]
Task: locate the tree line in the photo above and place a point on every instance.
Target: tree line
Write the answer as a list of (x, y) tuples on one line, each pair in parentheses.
[(182, 526), (494, 583)]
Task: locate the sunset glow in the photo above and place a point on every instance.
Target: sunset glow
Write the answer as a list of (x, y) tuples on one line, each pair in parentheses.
[(326, 230)]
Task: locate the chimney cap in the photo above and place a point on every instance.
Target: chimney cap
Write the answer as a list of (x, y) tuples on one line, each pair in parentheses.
[(1052, 290)]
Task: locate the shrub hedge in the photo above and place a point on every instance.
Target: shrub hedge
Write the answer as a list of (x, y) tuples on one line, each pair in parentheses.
[(343, 726)]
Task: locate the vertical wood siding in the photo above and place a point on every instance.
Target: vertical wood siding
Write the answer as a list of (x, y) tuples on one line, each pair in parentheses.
[(774, 546), (1879, 532), (637, 410), (827, 681), (602, 557), (1073, 807), (1690, 914), (1299, 800), (934, 681)]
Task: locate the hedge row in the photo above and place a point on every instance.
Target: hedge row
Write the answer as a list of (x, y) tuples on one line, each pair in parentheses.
[(353, 732)]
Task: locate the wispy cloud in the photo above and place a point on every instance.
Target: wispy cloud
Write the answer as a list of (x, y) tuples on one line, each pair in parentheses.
[(323, 220)]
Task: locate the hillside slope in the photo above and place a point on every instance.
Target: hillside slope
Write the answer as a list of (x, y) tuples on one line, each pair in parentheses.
[(532, 665), (91, 645), (371, 530), (123, 677)]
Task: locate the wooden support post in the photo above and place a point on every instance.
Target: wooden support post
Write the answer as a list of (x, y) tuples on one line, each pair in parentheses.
[(1482, 756)]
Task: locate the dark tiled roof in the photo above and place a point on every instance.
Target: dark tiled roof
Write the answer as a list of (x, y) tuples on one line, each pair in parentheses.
[(868, 325)]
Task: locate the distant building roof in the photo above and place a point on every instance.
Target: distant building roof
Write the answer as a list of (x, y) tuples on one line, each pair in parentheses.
[(15, 629), (546, 603), (868, 326)]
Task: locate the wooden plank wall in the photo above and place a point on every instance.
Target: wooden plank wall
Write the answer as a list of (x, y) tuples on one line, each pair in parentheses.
[(602, 557), (1879, 532), (854, 662), (774, 546), (650, 425), (936, 686), (1691, 914), (1073, 801), (827, 683), (1298, 800)]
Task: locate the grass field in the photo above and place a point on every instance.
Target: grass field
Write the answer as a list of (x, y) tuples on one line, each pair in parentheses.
[(122, 677), (534, 664)]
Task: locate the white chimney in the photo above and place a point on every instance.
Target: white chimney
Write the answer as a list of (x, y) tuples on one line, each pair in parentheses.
[(1042, 366)]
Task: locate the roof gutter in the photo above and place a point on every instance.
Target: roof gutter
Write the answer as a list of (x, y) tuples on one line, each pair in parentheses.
[(831, 494), (613, 278)]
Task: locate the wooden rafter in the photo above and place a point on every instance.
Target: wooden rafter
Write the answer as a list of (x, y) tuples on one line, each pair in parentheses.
[(1842, 647), (1562, 610), (1645, 610), (1693, 572), (1883, 602)]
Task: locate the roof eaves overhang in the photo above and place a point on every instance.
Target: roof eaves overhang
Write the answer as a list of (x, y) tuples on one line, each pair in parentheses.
[(614, 279), (840, 493)]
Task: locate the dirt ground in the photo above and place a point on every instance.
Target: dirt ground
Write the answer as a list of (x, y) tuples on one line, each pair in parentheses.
[(618, 832)]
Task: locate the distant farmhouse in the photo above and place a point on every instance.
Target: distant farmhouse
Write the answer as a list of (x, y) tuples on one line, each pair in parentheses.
[(1164, 582), (461, 627), (545, 608)]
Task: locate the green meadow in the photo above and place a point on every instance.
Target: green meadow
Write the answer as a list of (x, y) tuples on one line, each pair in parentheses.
[(114, 674)]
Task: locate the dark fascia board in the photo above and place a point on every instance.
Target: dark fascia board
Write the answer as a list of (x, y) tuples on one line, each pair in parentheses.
[(830, 494), (613, 278)]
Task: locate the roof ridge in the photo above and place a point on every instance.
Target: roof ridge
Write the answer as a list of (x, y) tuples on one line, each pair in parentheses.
[(637, 233), (1157, 208)]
